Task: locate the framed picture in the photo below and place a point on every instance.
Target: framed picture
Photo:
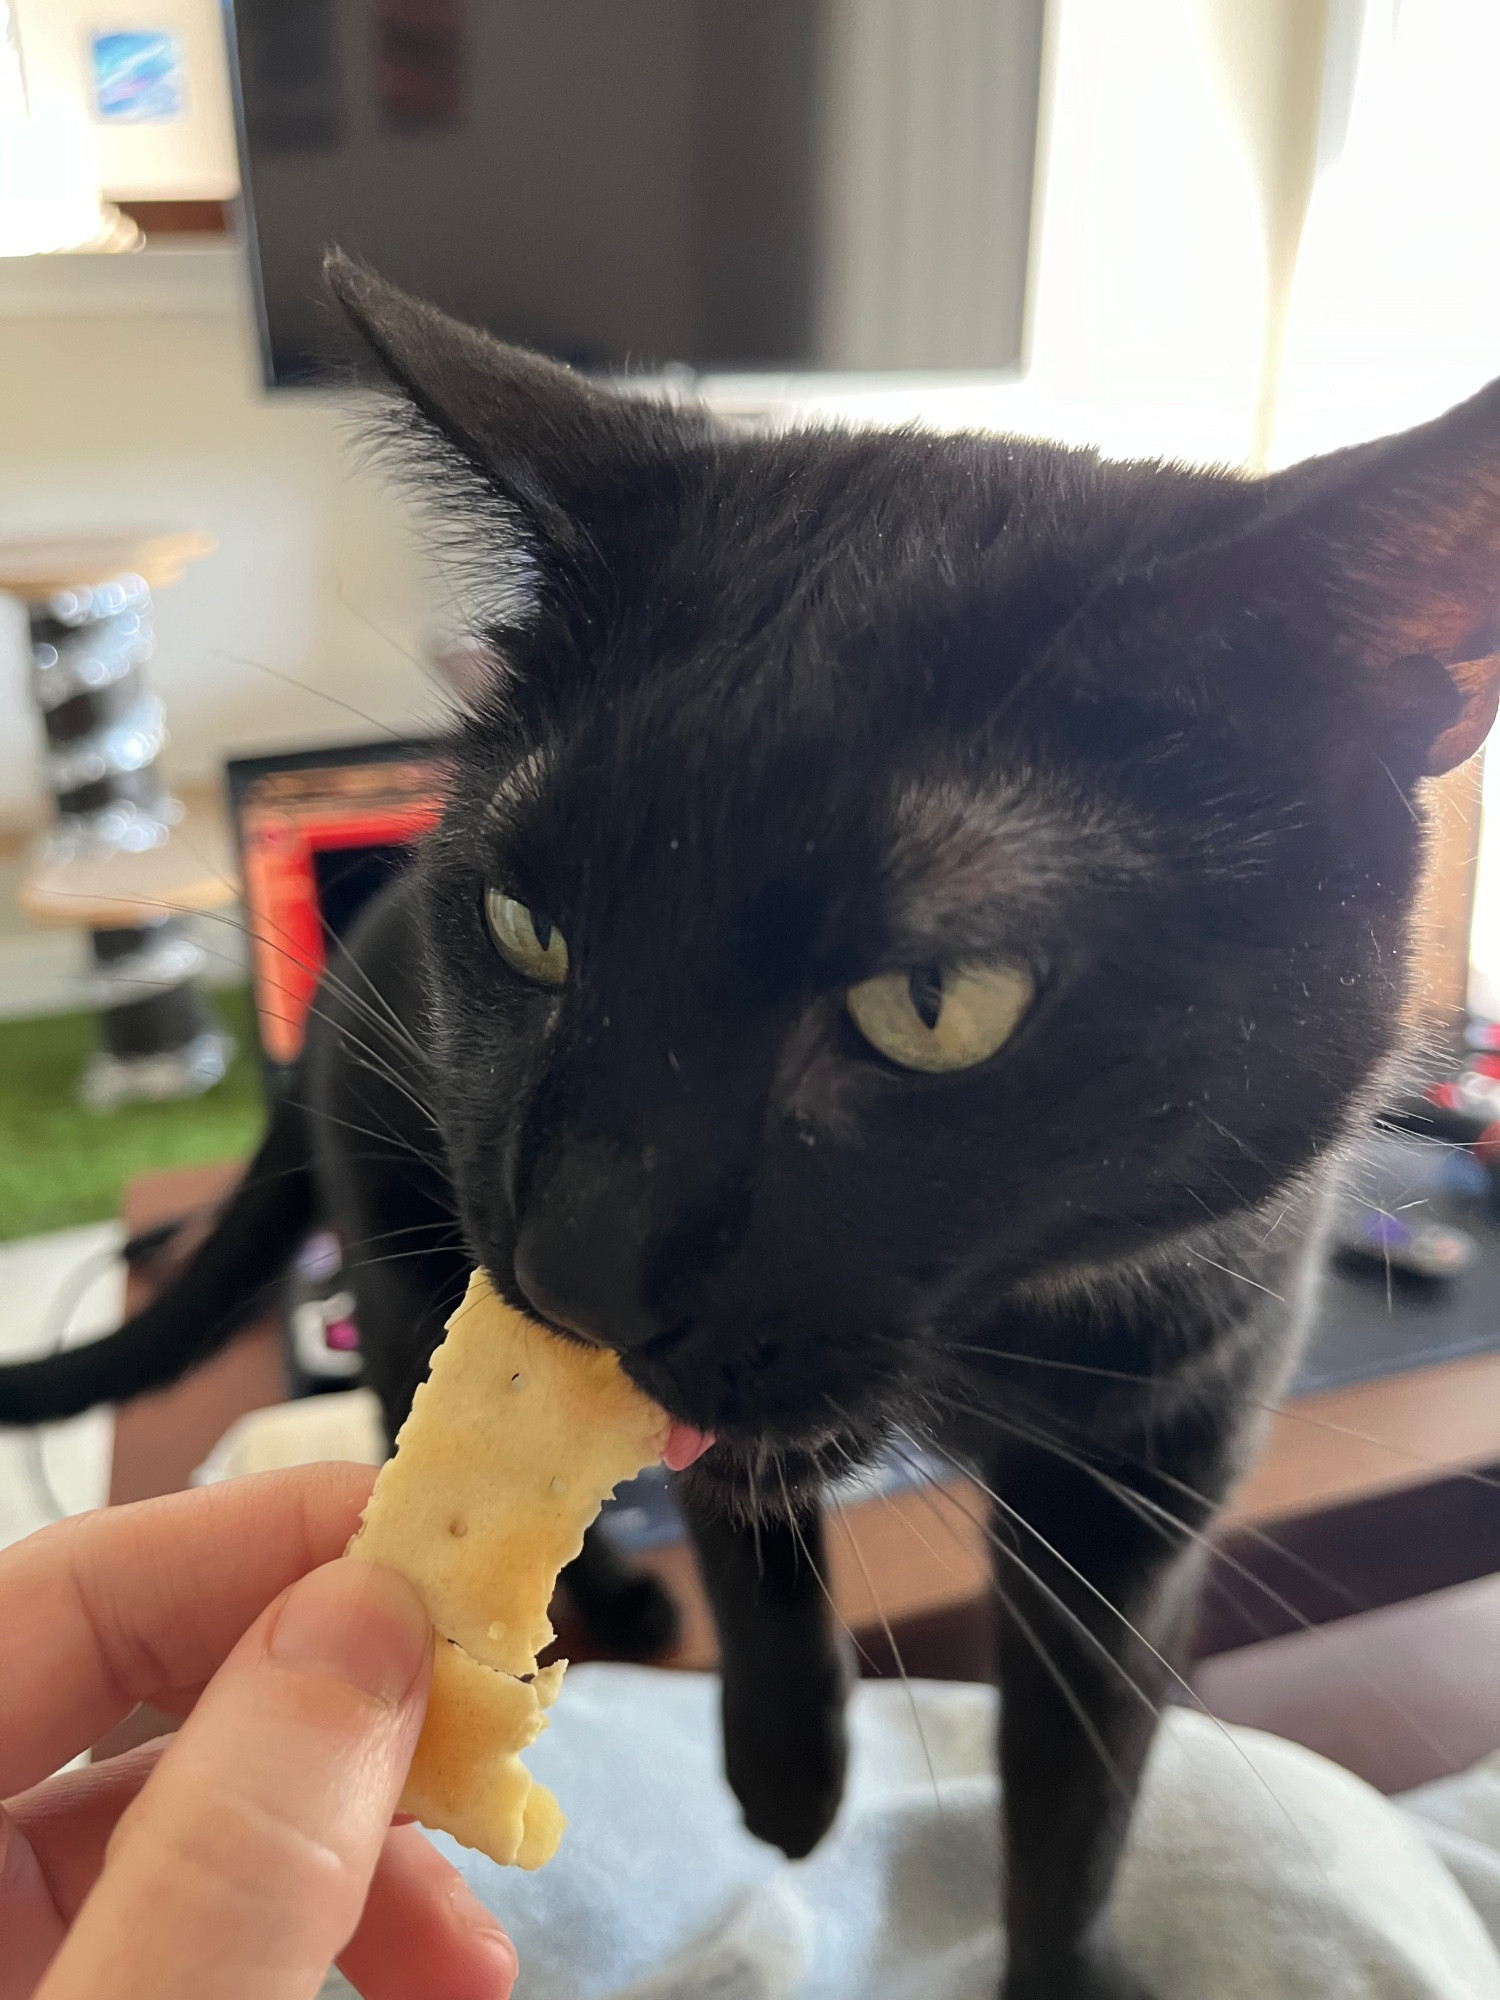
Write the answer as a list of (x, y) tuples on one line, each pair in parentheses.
[(152, 79), (138, 74)]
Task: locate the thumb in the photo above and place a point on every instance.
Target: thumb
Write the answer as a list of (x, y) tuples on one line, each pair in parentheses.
[(242, 1867)]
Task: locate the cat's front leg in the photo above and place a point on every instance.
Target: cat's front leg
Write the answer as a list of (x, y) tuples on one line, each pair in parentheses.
[(785, 1675), (1095, 1596)]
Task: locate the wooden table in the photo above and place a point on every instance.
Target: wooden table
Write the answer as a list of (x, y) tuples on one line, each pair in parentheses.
[(1362, 1497)]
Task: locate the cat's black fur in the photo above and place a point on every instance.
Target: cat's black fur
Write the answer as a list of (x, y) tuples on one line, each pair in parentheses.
[(776, 714)]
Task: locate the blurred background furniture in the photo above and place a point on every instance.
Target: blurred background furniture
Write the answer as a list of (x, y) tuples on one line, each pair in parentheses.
[(121, 860)]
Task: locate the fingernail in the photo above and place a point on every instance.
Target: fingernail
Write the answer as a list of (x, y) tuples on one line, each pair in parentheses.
[(487, 1933), (507, 1965), (355, 1622)]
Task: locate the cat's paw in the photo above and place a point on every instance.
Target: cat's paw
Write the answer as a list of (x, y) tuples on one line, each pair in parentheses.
[(785, 1761), (637, 1621)]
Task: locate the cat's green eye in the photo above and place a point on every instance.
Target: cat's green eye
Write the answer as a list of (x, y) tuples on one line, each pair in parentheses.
[(940, 1017), (530, 944)]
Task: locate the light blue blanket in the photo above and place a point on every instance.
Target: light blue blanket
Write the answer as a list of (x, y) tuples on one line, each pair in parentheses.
[(1257, 1871)]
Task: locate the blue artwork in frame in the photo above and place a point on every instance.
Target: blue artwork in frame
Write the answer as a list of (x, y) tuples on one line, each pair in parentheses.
[(138, 75)]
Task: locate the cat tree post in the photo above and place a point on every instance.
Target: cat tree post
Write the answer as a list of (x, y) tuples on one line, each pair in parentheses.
[(119, 861)]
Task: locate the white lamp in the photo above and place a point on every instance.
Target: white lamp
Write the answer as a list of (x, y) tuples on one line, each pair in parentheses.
[(49, 181)]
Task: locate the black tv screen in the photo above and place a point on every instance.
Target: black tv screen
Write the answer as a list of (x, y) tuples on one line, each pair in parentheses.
[(640, 184)]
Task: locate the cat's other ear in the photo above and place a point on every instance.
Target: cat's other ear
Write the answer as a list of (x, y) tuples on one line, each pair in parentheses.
[(569, 460), (1404, 536), (1366, 583), (1411, 525)]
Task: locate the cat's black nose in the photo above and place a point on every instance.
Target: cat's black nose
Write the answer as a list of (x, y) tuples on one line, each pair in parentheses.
[(584, 1249)]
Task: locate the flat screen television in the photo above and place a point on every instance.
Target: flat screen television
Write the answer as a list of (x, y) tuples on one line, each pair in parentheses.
[(713, 185)]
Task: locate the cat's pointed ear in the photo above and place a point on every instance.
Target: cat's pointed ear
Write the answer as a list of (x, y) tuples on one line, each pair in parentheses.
[(563, 454), (1411, 525), (1402, 538)]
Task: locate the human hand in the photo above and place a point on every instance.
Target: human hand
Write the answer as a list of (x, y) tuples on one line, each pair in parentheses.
[(238, 1858)]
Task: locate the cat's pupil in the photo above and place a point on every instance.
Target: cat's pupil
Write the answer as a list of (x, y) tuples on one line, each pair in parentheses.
[(925, 984), (542, 928)]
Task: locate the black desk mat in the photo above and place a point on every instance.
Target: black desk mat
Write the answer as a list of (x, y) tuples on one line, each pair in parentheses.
[(1365, 1327)]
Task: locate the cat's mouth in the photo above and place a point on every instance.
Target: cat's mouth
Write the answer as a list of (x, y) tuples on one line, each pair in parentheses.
[(743, 1430), (686, 1443)]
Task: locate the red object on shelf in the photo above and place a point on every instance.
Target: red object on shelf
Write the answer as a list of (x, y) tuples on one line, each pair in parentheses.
[(286, 822)]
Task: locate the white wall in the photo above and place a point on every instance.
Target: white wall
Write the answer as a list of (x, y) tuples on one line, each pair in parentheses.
[(1395, 308), (1148, 292), (155, 419), (189, 157), (1181, 140)]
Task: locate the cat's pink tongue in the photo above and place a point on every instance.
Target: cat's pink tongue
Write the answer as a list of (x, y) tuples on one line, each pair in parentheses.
[(684, 1444)]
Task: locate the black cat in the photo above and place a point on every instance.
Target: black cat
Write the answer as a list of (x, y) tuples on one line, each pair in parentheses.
[(915, 921)]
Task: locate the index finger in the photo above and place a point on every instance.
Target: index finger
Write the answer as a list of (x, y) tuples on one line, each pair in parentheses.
[(104, 1610)]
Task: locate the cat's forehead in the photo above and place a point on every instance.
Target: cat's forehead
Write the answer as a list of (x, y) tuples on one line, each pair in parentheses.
[(927, 852), (963, 850)]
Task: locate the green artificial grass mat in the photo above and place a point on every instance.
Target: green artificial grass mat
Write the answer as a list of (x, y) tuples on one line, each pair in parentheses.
[(61, 1164)]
